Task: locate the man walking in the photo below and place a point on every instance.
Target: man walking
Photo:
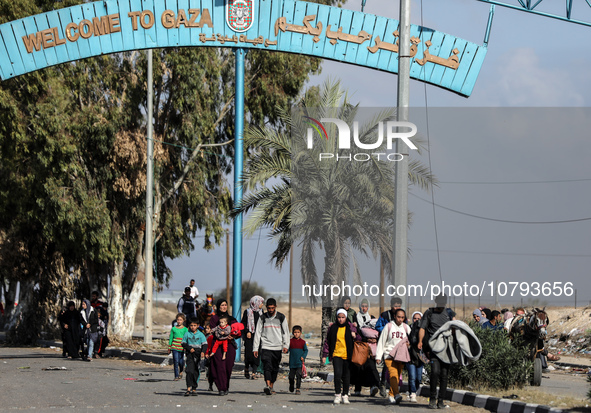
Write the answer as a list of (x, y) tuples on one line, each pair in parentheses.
[(432, 320), (272, 337)]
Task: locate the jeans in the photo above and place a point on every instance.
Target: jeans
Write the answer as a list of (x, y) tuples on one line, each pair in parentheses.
[(415, 375), (439, 371), (179, 362), (90, 347)]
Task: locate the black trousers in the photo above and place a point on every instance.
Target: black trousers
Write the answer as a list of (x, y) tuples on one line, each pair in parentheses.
[(271, 360), (249, 359), (439, 372), (192, 370), (342, 373), (295, 374)]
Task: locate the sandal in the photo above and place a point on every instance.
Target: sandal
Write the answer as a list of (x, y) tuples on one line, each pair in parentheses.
[(193, 392), (187, 393)]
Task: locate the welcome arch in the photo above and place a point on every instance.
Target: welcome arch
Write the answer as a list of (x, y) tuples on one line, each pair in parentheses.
[(112, 26)]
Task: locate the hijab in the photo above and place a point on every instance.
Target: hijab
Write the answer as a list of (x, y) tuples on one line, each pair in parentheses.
[(86, 311), (363, 319), (255, 304), (342, 311), (218, 312)]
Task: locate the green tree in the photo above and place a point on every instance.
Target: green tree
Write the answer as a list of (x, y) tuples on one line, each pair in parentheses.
[(72, 164), (332, 206)]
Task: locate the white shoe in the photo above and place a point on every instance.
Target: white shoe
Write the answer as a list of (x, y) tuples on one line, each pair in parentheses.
[(346, 399), (412, 398), (337, 399), (391, 399)]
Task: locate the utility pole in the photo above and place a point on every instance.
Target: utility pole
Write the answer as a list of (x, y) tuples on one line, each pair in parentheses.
[(401, 167), (149, 247), (238, 158), (382, 286), (227, 266), (290, 284)]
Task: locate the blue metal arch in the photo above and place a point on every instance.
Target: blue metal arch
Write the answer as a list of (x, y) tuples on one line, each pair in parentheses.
[(112, 26)]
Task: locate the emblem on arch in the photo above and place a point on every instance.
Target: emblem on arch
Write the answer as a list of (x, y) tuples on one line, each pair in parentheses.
[(240, 14)]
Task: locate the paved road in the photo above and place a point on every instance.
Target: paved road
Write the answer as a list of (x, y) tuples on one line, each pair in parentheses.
[(102, 385)]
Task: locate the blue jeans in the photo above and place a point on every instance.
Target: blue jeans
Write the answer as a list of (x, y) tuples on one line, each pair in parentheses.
[(90, 347), (179, 362), (415, 375)]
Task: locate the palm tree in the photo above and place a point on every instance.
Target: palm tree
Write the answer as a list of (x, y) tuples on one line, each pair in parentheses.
[(336, 206)]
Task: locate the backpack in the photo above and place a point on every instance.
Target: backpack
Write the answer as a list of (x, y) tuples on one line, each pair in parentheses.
[(280, 317)]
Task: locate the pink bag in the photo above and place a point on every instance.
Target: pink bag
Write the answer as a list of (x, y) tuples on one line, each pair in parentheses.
[(304, 371)]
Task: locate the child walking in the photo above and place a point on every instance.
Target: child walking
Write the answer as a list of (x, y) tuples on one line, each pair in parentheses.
[(298, 351), (175, 345), (394, 334), (195, 345), (222, 334), (339, 347)]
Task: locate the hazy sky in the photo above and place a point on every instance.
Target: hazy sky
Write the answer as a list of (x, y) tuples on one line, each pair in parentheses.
[(532, 61)]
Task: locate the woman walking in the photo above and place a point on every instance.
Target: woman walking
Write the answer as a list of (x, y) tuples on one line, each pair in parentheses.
[(250, 318), (220, 367), (338, 347), (394, 338)]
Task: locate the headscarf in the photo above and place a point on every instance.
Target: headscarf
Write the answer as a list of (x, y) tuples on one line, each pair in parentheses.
[(218, 312), (413, 315), (508, 315), (363, 319), (364, 301), (341, 311), (255, 304), (345, 298), (477, 312), (87, 310)]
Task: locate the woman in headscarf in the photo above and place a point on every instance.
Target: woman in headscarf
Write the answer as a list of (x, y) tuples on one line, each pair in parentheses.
[(250, 319), (220, 368), (89, 321), (363, 316), (70, 322), (366, 375), (338, 347)]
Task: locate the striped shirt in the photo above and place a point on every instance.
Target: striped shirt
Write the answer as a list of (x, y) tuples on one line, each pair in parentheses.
[(176, 338)]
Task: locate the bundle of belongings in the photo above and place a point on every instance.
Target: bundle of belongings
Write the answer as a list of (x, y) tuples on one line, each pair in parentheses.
[(455, 342)]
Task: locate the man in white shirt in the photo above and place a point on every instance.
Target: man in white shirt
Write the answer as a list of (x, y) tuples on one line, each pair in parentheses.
[(194, 290)]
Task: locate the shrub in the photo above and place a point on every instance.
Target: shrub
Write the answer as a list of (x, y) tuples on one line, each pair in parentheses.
[(248, 291), (502, 365)]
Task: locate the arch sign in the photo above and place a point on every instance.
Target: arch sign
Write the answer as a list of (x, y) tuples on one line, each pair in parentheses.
[(111, 26)]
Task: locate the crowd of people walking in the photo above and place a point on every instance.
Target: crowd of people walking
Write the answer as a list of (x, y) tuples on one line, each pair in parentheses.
[(357, 344)]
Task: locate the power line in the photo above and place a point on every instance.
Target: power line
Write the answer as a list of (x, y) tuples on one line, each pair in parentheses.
[(524, 254), (501, 220), (513, 183)]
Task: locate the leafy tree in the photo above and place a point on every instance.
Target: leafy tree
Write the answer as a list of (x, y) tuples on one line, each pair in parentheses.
[(72, 162), (332, 206)]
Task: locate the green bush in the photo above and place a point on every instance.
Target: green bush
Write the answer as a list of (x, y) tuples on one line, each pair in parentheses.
[(502, 365)]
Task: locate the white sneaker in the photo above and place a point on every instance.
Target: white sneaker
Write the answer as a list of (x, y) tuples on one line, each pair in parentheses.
[(391, 399), (413, 398), (346, 399), (337, 399)]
